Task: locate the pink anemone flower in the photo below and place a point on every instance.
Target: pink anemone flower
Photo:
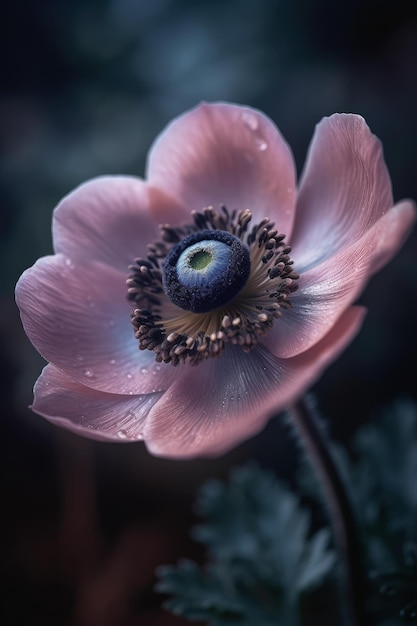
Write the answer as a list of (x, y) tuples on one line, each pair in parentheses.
[(188, 308)]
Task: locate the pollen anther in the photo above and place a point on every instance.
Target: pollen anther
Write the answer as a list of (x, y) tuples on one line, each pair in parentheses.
[(176, 335)]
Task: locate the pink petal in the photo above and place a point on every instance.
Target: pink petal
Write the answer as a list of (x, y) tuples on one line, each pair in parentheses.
[(345, 188), (226, 154), (329, 288), (218, 404), (91, 413), (77, 316), (106, 219)]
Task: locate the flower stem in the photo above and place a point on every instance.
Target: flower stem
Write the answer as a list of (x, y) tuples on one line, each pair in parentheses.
[(313, 437)]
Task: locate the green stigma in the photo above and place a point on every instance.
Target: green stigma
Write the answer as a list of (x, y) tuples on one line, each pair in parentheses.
[(200, 260)]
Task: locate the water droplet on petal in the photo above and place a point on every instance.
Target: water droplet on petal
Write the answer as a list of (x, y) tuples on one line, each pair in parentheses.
[(112, 361), (88, 373), (250, 120), (262, 145), (122, 434), (69, 263), (129, 376), (143, 370)]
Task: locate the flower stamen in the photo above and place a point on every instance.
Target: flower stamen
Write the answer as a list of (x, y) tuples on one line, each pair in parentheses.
[(177, 335)]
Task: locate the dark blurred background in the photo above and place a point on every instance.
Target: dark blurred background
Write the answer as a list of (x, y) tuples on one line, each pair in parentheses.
[(86, 86)]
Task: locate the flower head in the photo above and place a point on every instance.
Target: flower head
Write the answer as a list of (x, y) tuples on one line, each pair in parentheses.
[(188, 308)]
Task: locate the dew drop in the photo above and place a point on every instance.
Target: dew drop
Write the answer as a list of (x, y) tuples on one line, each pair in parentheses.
[(143, 370), (129, 376), (122, 434), (250, 120), (69, 263), (112, 361), (88, 373), (262, 145)]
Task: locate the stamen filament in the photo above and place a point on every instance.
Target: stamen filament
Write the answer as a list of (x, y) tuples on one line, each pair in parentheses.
[(178, 335)]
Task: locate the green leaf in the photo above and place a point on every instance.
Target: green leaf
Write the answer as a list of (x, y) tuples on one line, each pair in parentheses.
[(198, 596), (387, 470), (261, 554), (381, 478)]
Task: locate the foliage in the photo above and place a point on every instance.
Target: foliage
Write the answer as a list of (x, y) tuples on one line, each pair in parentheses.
[(383, 483), (264, 560), (262, 555), (381, 478)]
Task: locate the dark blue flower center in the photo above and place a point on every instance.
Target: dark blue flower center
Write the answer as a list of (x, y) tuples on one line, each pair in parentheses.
[(206, 270)]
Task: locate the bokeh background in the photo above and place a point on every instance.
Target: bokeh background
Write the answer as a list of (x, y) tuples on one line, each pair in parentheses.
[(86, 86)]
